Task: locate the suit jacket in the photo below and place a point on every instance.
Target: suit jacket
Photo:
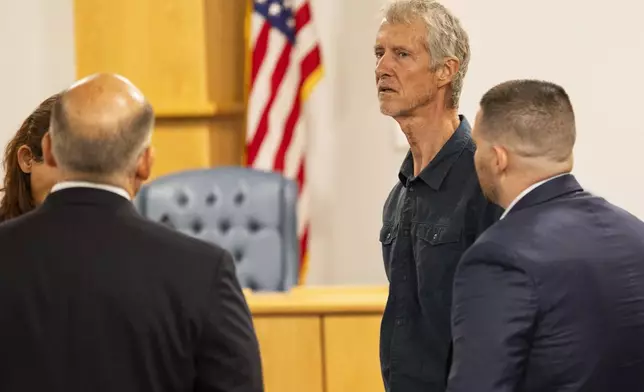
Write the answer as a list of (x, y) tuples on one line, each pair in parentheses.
[(551, 298), (94, 297)]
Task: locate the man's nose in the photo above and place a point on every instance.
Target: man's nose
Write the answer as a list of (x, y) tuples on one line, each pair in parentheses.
[(383, 66)]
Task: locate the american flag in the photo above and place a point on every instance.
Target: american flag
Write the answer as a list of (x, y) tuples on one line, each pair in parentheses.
[(284, 66)]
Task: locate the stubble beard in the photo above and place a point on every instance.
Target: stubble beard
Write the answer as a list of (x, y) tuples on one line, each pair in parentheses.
[(392, 109)]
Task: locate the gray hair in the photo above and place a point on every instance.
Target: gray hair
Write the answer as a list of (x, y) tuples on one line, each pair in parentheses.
[(105, 153), (445, 35), (533, 118)]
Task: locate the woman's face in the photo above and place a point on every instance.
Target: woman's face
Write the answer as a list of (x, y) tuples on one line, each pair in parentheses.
[(42, 177)]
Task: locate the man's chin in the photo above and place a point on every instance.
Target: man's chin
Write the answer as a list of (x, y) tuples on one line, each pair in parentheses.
[(388, 110)]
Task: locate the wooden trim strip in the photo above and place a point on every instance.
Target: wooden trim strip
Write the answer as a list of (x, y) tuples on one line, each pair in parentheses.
[(200, 111)]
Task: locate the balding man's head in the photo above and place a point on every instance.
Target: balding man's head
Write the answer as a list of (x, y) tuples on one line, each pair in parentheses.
[(100, 127)]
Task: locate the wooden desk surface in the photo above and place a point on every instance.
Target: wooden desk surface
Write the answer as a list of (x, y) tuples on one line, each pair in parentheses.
[(320, 300)]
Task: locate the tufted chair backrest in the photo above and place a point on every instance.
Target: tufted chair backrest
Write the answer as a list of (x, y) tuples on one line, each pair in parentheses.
[(250, 213)]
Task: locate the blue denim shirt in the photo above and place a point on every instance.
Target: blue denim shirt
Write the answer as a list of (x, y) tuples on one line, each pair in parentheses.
[(428, 222)]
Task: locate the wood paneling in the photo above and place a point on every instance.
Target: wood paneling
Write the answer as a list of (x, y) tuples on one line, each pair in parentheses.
[(291, 353), (158, 44), (188, 59), (225, 49), (180, 145), (333, 328), (351, 353), (194, 143)]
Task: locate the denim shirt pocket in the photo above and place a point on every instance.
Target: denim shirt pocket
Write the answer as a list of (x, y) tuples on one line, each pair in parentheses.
[(439, 249)]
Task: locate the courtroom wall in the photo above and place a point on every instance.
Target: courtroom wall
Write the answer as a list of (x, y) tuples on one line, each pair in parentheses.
[(594, 49), (596, 52), (36, 57)]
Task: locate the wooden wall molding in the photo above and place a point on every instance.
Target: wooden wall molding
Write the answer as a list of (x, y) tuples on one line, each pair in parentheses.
[(188, 58)]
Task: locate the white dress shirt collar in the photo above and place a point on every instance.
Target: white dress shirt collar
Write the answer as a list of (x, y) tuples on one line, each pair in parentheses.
[(84, 184), (528, 190)]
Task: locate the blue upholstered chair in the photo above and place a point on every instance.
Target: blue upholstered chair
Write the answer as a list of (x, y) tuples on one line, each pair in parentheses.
[(250, 213)]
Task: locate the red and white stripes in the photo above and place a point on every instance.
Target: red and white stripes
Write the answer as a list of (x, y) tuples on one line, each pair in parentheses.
[(282, 74)]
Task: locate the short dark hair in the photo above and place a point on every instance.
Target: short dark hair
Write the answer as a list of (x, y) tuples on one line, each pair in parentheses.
[(106, 154), (534, 117)]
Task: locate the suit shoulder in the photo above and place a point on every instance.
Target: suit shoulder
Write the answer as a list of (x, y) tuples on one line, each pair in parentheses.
[(14, 225), (494, 246), (627, 217), (490, 243)]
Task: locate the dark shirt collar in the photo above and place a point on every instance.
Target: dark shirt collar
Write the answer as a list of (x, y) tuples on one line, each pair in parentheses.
[(434, 173)]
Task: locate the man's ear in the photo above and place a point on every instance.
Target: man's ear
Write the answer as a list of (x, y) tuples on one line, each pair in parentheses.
[(447, 71), (47, 154), (145, 163), (501, 159), (25, 158)]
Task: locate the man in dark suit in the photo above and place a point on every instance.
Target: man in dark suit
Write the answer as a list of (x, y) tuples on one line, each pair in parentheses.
[(551, 297), (93, 297)]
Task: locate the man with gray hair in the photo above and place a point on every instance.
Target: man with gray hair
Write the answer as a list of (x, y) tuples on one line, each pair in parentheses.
[(94, 297), (436, 210), (550, 298)]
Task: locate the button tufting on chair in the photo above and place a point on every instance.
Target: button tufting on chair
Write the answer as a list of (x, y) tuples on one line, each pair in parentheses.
[(197, 226), (238, 255), (165, 219), (224, 226), (182, 199), (254, 226), (211, 199), (257, 227), (239, 198)]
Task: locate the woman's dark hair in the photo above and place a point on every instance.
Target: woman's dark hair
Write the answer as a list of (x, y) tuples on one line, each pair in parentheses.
[(17, 198)]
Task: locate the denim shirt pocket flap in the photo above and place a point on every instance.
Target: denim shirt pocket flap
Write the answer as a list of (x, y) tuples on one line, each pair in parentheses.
[(388, 233), (439, 234)]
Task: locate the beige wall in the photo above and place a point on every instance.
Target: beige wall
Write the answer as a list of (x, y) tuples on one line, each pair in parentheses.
[(353, 163), (596, 52), (594, 49), (37, 60)]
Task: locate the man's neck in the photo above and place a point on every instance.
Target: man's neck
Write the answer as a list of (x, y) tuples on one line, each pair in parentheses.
[(519, 185), (427, 132)]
